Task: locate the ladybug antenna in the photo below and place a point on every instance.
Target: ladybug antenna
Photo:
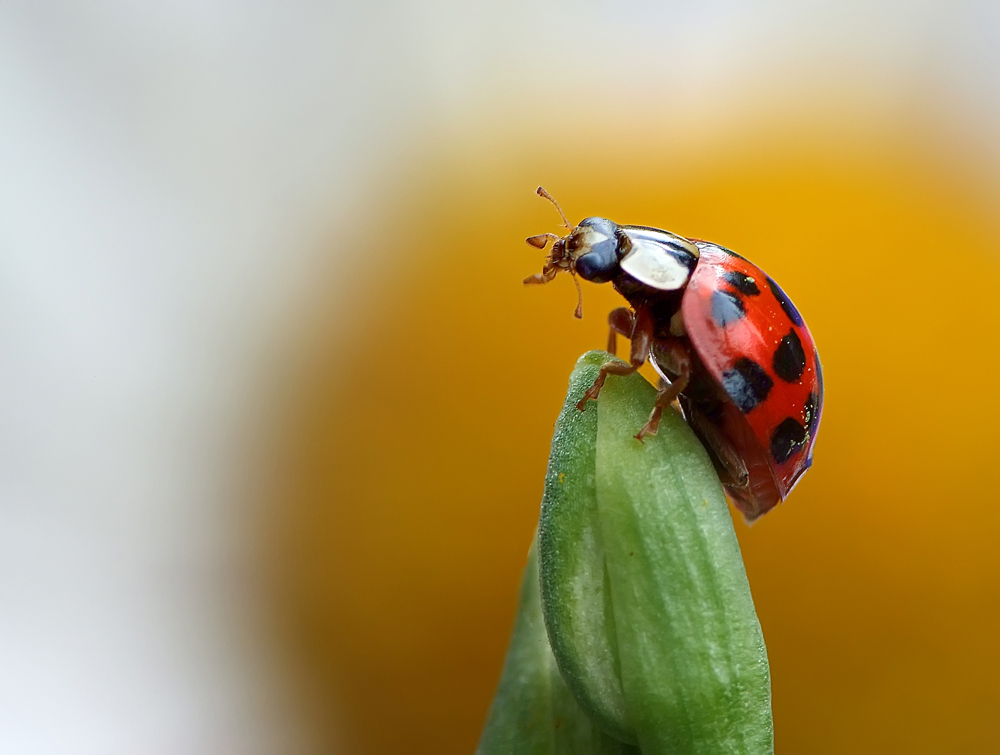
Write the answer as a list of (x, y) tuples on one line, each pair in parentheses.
[(542, 193), (578, 314), (541, 240)]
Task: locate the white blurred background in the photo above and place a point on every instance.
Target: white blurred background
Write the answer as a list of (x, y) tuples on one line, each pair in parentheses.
[(172, 178)]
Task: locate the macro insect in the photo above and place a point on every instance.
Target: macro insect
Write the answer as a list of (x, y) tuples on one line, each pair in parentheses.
[(726, 341)]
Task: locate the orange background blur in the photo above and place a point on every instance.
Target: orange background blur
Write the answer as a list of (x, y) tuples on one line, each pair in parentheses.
[(417, 426)]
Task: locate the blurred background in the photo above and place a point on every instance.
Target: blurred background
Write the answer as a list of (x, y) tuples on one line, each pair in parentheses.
[(275, 407)]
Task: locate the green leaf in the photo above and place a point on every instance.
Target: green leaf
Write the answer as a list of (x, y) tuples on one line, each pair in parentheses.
[(646, 600)]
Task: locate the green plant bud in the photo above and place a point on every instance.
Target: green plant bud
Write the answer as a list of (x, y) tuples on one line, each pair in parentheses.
[(533, 712), (574, 585), (645, 597)]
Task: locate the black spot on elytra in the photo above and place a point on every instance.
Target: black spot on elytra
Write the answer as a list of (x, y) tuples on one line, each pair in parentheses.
[(788, 437), (747, 384), (811, 413), (785, 302), (726, 308), (789, 359), (742, 283)]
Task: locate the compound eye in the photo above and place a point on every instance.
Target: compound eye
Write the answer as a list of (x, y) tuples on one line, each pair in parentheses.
[(599, 239), (600, 264)]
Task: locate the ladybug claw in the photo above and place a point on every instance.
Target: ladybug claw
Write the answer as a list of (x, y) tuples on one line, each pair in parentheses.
[(650, 427), (646, 430), (591, 395)]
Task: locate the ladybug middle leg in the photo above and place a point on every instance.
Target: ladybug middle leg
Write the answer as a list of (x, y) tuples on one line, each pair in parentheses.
[(673, 354), (642, 336), (621, 321)]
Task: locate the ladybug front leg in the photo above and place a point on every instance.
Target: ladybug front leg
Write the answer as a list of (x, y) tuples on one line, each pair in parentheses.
[(642, 337), (674, 353), (621, 321)]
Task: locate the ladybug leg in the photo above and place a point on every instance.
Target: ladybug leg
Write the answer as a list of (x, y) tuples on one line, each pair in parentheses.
[(731, 468), (621, 321), (642, 337), (674, 353)]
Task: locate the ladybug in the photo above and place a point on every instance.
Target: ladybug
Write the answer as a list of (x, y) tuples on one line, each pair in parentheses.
[(726, 341)]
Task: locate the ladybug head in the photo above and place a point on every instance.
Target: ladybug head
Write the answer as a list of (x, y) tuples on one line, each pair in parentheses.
[(590, 249), (595, 247)]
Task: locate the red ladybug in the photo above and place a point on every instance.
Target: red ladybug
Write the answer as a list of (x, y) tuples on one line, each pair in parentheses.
[(727, 341)]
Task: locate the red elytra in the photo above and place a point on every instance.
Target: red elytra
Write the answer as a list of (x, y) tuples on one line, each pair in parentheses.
[(782, 411)]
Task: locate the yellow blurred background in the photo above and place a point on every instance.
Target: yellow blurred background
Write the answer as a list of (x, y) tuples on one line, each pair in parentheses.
[(276, 407), (416, 441)]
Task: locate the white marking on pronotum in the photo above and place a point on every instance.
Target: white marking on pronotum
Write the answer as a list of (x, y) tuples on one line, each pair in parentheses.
[(648, 262)]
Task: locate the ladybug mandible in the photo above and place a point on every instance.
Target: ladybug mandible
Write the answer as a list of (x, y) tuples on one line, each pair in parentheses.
[(725, 339)]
